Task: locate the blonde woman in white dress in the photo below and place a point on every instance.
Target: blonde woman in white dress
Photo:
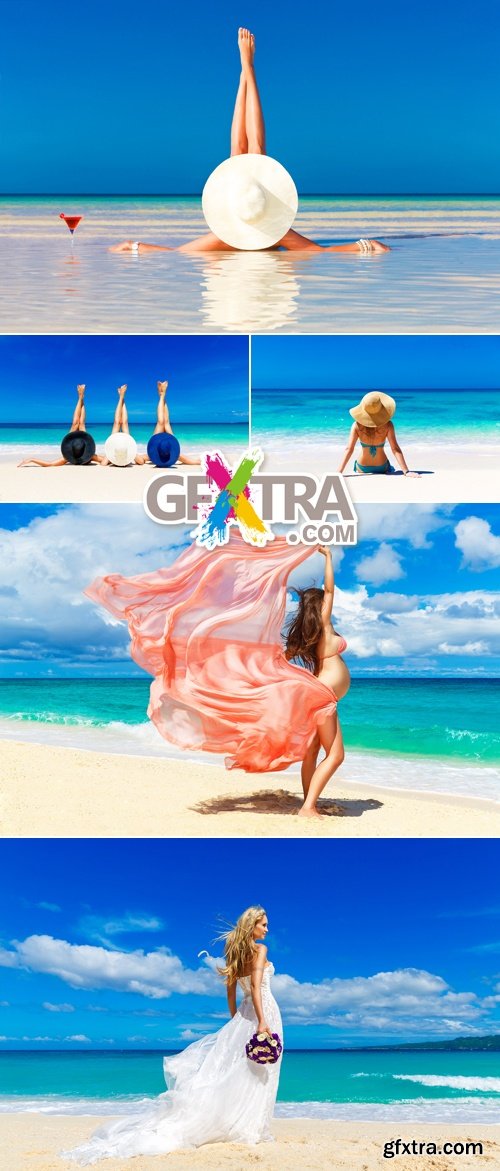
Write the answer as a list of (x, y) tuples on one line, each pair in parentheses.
[(215, 1092)]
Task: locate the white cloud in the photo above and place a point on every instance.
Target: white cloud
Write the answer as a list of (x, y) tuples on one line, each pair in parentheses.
[(466, 648), (155, 974), (404, 522), (388, 603), (479, 546), (418, 633), (58, 1007), (79, 1037), (399, 1001), (381, 566), (56, 557), (104, 929)]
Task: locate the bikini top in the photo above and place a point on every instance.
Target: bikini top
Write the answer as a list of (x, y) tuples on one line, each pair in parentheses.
[(372, 446), (340, 649)]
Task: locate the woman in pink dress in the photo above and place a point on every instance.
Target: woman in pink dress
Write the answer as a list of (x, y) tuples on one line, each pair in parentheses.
[(209, 630)]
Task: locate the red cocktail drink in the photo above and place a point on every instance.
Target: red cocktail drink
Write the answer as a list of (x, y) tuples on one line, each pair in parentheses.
[(71, 220)]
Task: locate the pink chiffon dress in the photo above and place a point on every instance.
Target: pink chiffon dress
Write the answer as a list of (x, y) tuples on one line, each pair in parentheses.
[(208, 629)]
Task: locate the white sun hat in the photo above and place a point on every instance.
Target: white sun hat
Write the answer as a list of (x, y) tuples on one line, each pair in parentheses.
[(250, 201), (120, 449)]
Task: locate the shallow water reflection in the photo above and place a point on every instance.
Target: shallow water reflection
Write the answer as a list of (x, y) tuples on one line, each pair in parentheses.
[(441, 276)]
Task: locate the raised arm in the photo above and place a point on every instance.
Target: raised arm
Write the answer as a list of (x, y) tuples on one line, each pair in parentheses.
[(396, 450), (231, 998), (328, 587), (256, 987), (353, 439)]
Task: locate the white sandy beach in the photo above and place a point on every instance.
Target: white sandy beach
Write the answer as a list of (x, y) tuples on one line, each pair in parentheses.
[(449, 475), (33, 1142), (68, 792), (80, 485)]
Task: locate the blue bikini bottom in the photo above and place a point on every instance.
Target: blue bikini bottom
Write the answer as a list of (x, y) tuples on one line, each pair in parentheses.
[(375, 469)]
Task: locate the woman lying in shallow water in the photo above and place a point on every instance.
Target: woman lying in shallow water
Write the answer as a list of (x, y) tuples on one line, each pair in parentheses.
[(248, 137)]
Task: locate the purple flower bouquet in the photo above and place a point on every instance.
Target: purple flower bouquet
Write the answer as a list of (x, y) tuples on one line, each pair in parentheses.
[(264, 1049)]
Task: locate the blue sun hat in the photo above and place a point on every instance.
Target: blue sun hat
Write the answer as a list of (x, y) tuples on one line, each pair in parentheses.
[(78, 447), (164, 449)]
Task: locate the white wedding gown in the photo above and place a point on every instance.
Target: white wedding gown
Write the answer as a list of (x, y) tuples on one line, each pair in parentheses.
[(215, 1094)]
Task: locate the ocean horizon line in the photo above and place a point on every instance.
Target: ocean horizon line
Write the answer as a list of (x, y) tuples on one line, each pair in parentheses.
[(302, 195), (115, 1052)]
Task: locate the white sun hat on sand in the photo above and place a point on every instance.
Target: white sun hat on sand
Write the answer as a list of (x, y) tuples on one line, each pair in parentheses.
[(120, 449), (250, 201)]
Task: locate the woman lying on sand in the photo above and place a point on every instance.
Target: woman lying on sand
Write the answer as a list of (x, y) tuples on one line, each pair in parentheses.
[(372, 429), (120, 448), (163, 427), (77, 447), (248, 137)]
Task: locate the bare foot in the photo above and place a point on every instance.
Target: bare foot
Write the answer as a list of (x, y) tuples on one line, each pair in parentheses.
[(125, 246), (309, 813), (162, 387), (246, 45), (80, 390), (121, 390), (376, 246)]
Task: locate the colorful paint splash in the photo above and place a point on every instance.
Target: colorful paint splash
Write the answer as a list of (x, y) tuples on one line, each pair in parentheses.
[(232, 503)]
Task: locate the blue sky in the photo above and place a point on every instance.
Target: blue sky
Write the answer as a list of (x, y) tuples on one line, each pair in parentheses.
[(127, 98), (208, 378), (84, 920), (390, 362), (398, 614)]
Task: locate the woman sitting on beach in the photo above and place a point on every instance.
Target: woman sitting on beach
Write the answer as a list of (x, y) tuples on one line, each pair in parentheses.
[(222, 1088), (248, 137), (314, 644), (372, 429), (77, 447)]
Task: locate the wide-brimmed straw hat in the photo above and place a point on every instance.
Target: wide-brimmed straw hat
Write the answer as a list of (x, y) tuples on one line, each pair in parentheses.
[(375, 409), (78, 447), (164, 449), (250, 201), (121, 449)]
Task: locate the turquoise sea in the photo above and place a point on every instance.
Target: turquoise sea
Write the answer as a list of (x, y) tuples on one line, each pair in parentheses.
[(427, 734), (442, 275), (428, 417), (364, 1084), (44, 441)]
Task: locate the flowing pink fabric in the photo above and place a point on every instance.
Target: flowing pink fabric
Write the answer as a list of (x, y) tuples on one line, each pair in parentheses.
[(208, 629)]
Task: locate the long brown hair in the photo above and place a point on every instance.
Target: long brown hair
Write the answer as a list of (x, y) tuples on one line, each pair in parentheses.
[(239, 944), (305, 630)]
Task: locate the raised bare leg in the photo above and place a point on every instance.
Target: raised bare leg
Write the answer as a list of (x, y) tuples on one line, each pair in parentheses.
[(330, 735), (255, 128), (120, 408), (125, 426), (239, 140), (160, 410), (76, 422)]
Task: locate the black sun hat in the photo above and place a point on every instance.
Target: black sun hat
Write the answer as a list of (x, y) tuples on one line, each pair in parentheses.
[(78, 447)]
